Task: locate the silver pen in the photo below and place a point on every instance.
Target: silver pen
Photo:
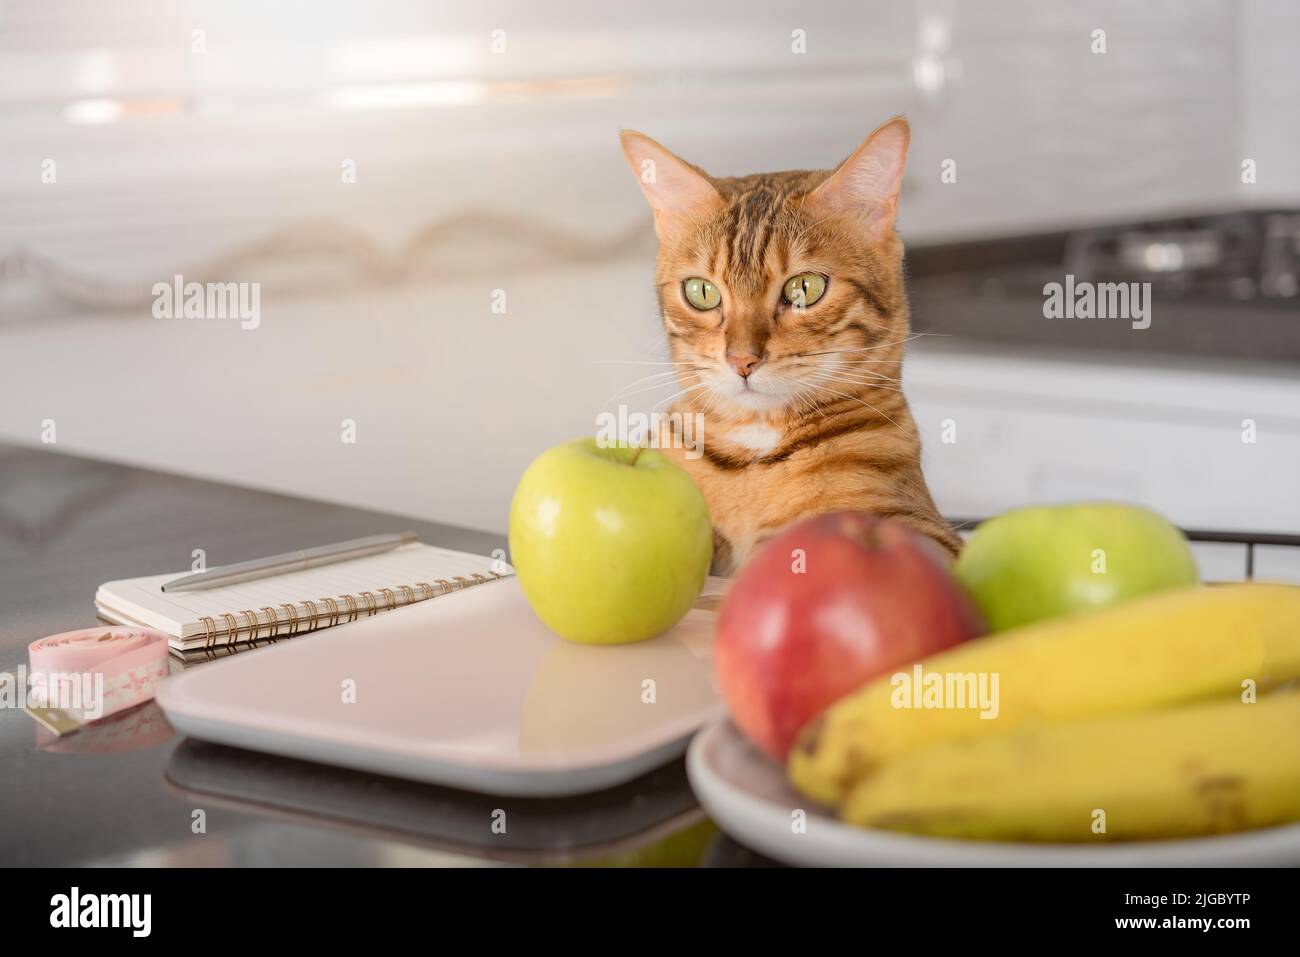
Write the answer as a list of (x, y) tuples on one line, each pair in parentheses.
[(289, 562)]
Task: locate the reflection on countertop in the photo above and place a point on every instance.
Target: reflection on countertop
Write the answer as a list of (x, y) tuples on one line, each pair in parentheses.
[(126, 793)]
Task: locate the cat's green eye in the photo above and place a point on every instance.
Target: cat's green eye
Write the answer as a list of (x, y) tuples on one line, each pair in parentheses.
[(701, 293), (804, 289)]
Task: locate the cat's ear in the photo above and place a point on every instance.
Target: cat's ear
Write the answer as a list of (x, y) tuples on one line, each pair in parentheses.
[(677, 191), (866, 184)]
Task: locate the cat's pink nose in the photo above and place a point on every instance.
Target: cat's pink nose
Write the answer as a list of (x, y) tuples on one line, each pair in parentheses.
[(744, 364)]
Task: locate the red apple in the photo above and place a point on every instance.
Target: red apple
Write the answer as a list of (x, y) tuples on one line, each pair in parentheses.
[(823, 608)]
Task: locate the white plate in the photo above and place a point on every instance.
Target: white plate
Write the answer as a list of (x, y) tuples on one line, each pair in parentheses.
[(746, 794)]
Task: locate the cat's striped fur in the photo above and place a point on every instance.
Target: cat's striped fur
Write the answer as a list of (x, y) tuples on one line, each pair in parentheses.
[(821, 422)]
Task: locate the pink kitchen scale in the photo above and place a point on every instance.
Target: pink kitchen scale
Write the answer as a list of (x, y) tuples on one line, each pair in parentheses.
[(470, 690)]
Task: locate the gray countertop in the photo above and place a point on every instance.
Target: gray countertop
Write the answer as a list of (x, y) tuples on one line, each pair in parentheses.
[(130, 792)]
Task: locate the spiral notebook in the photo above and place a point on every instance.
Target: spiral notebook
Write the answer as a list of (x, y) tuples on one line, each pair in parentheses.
[(223, 621)]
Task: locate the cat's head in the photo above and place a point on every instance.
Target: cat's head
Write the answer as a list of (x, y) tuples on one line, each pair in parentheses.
[(780, 290)]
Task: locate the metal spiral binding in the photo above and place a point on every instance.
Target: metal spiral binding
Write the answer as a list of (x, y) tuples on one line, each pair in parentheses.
[(290, 618), (306, 615), (272, 623)]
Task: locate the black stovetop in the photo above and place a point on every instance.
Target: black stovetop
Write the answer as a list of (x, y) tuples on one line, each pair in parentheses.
[(1222, 285)]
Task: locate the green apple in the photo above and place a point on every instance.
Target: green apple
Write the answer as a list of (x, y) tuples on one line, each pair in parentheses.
[(1041, 562), (610, 544)]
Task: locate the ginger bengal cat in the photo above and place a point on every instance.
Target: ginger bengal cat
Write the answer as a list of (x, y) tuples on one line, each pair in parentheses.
[(783, 299)]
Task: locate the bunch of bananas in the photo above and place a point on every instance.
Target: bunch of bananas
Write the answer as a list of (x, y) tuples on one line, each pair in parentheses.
[(1168, 716)]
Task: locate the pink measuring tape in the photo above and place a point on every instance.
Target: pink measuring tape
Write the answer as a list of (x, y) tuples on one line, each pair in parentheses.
[(112, 669)]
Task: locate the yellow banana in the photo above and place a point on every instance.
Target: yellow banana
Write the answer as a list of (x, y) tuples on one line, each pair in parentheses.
[(1198, 769), (1165, 649)]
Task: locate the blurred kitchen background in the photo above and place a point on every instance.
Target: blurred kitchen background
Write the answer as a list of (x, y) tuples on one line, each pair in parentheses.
[(454, 257)]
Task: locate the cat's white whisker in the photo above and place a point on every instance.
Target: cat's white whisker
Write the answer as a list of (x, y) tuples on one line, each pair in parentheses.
[(671, 374), (852, 369), (849, 370), (663, 384), (871, 348), (853, 398), (713, 400), (871, 383), (676, 396), (867, 383), (865, 376), (664, 377), (814, 355), (801, 394), (638, 362)]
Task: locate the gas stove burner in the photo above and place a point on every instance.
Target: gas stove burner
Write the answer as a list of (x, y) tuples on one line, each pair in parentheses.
[(1238, 256), (1171, 251), (1221, 286)]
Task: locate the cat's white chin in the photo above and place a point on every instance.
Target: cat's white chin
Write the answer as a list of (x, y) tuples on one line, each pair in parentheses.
[(757, 401), (754, 399)]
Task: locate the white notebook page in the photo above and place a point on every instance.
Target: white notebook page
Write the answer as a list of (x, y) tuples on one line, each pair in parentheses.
[(180, 613)]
